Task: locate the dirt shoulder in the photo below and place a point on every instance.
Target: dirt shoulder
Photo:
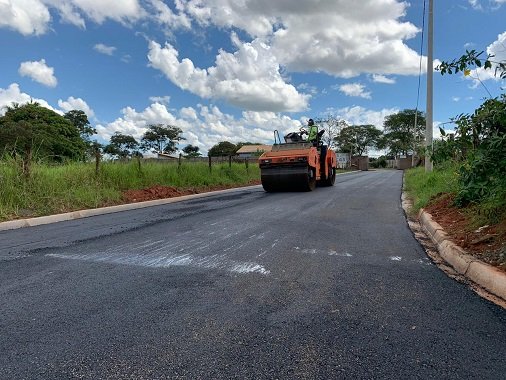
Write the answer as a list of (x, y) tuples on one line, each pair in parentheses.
[(161, 192), (487, 243)]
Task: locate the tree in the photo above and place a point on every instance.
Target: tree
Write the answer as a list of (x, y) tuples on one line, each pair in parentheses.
[(191, 151), (356, 139), (401, 134), (79, 119), (32, 131), (332, 126), (161, 138), (223, 148), (122, 145)]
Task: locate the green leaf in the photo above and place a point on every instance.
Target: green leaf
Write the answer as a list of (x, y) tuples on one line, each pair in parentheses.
[(443, 133)]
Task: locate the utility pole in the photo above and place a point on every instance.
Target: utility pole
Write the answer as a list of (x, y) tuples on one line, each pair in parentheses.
[(430, 72)]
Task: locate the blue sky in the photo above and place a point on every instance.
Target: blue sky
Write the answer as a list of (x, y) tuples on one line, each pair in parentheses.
[(235, 70)]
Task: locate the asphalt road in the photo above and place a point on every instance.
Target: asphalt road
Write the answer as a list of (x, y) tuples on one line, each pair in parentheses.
[(323, 285)]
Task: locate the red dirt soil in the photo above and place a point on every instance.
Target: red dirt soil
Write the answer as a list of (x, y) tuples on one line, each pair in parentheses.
[(487, 243), (161, 192)]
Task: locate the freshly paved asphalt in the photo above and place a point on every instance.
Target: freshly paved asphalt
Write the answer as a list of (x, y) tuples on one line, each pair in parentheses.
[(323, 285)]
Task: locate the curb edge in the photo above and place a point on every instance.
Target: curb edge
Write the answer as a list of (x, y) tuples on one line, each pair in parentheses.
[(483, 274)]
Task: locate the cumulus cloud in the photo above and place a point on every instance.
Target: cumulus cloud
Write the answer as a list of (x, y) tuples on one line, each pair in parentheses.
[(355, 89), (357, 115), (498, 51), (355, 37), (76, 11), (13, 94), (378, 78), (249, 78), (39, 72), (104, 49), (160, 99), (203, 126), (169, 19), (34, 16), (26, 17), (76, 104)]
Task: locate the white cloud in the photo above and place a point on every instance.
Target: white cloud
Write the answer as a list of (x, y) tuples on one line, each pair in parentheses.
[(166, 17), (338, 37), (378, 78), (26, 17), (498, 51), (34, 16), (188, 113), (76, 104), (104, 49), (475, 4), (39, 72), (355, 89), (249, 78), (204, 126), (160, 99), (490, 4), (76, 11), (13, 94), (357, 115)]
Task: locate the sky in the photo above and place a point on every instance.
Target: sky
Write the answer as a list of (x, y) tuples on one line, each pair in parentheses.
[(235, 70)]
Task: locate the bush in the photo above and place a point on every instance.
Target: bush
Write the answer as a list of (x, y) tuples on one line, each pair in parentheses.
[(478, 147)]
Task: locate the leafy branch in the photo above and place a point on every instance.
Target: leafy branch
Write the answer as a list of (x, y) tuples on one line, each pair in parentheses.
[(472, 59)]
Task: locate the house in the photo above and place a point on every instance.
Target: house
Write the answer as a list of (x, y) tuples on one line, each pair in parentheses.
[(251, 151), (165, 156)]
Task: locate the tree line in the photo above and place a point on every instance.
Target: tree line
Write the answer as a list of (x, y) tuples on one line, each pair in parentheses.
[(30, 131)]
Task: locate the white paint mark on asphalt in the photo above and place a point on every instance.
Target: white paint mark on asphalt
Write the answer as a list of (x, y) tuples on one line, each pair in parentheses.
[(335, 253), (311, 251), (250, 268), (166, 261), (395, 258)]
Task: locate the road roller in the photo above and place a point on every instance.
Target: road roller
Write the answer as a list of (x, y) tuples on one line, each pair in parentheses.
[(297, 164)]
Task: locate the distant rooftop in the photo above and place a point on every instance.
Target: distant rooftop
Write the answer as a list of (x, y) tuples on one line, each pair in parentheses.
[(254, 149)]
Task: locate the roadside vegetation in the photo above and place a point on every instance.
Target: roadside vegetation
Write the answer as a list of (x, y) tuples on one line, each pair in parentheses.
[(470, 163), (466, 192), (54, 189)]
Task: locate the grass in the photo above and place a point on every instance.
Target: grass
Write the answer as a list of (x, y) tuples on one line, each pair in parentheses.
[(422, 187), (54, 189)]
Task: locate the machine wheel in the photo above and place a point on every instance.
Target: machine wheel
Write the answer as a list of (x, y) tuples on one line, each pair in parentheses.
[(331, 177), (311, 180), (268, 188)]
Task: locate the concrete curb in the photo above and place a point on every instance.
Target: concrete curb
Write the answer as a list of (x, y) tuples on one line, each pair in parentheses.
[(30, 222), (485, 275)]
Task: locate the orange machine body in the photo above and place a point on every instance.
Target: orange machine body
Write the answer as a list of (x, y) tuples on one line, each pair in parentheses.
[(297, 166)]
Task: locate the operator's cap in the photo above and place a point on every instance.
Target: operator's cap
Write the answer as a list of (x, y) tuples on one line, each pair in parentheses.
[(310, 122)]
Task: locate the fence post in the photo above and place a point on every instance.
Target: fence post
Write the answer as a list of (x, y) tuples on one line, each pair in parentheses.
[(230, 162), (179, 161), (246, 163), (210, 167)]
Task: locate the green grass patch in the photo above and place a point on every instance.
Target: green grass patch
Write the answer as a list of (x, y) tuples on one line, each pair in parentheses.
[(54, 189), (422, 187)]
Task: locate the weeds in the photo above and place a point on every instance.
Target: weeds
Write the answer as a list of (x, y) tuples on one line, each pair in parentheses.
[(60, 188)]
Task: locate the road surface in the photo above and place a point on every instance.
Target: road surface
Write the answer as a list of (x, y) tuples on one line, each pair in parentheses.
[(247, 285)]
